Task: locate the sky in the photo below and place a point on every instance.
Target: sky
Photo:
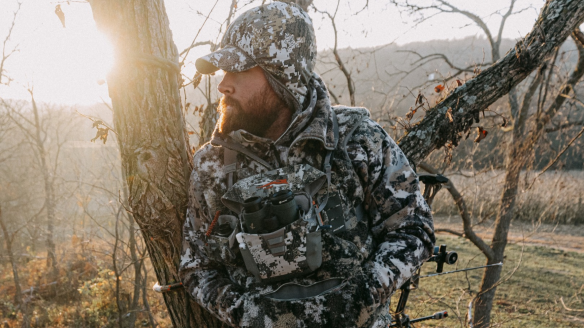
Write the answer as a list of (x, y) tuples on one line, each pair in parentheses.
[(69, 65)]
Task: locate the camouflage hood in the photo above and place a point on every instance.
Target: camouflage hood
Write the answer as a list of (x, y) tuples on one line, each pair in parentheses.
[(279, 38)]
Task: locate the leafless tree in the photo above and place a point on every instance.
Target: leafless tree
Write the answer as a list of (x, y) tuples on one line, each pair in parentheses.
[(38, 130), (8, 50), (17, 211), (340, 62)]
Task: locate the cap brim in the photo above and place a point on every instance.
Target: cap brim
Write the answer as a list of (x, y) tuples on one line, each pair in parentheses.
[(230, 59)]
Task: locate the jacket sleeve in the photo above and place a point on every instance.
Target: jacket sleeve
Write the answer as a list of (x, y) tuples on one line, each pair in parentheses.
[(400, 219), (209, 284), (206, 280)]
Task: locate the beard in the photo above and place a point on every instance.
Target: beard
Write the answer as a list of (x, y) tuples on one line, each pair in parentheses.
[(259, 113)]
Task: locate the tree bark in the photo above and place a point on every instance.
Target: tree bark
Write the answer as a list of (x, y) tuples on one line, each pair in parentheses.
[(152, 136)]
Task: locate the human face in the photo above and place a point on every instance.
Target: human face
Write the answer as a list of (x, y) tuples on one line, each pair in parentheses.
[(248, 102)]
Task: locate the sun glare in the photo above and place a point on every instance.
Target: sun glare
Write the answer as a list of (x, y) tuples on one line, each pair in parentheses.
[(63, 64)]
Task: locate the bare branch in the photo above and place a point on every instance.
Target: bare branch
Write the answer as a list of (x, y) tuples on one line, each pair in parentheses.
[(188, 49), (450, 231), (342, 67), (558, 127), (197, 44), (495, 46), (468, 100), (565, 90), (464, 215), (560, 154), (6, 55), (519, 121)]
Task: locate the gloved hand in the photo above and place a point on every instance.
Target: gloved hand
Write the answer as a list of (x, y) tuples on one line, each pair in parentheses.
[(354, 304), (351, 304)]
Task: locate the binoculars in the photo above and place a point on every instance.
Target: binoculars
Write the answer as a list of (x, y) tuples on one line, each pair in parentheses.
[(265, 215)]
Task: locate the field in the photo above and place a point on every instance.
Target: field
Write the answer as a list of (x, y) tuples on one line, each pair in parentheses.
[(554, 197), (536, 280)]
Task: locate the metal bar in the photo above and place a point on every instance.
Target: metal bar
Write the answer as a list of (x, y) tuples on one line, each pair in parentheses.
[(461, 270)]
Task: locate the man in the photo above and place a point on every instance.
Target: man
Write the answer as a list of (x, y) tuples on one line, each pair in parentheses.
[(275, 112)]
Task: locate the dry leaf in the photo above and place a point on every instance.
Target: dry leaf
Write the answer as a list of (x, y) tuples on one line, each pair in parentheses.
[(101, 134), (481, 134), (197, 79), (419, 99), (60, 14), (458, 82), (449, 115), (411, 113), (439, 88), (504, 124)]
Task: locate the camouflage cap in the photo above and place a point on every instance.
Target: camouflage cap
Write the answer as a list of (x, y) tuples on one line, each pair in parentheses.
[(278, 37)]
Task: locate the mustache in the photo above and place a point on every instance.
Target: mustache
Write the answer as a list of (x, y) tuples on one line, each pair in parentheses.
[(228, 101)]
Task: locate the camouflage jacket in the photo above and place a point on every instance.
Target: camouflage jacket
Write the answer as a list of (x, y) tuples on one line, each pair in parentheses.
[(373, 256)]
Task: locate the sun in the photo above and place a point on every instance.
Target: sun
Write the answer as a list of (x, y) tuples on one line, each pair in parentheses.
[(63, 64)]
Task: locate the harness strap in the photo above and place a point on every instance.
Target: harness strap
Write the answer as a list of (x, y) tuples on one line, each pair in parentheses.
[(327, 162), (350, 134), (239, 148), (229, 164)]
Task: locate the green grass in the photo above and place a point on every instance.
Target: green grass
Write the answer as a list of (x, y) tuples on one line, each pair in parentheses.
[(529, 298)]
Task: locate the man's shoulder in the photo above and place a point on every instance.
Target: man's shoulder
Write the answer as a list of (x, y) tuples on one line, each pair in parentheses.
[(347, 115), (356, 123), (208, 157)]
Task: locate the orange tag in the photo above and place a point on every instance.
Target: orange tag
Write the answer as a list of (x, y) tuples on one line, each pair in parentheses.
[(275, 182)]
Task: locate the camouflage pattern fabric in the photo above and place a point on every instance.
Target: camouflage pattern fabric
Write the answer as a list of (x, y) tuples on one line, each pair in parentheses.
[(278, 37), (373, 256), (295, 178), (293, 249)]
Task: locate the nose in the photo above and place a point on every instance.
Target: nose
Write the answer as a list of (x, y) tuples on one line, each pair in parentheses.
[(226, 85)]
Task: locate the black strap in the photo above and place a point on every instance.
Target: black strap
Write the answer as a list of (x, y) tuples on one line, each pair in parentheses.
[(229, 164), (327, 162), (239, 148)]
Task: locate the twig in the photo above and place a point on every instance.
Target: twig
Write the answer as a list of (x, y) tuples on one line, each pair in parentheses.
[(567, 308), (186, 51), (557, 157), (456, 233), (464, 214)]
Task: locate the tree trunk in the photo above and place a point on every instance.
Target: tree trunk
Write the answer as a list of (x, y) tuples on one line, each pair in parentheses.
[(491, 275), (520, 146), (49, 189), (153, 141), (8, 241), (137, 264)]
